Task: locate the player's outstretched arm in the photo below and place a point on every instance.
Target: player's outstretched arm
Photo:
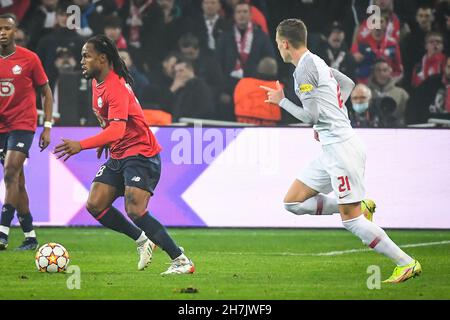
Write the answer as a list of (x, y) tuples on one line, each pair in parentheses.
[(308, 114), (115, 131), (345, 83)]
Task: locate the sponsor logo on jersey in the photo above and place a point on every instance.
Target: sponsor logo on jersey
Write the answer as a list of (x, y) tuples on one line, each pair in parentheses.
[(20, 145), (17, 69), (305, 88), (99, 102), (136, 179)]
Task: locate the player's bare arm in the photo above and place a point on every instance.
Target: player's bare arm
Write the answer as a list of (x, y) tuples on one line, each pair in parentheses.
[(44, 139), (67, 149)]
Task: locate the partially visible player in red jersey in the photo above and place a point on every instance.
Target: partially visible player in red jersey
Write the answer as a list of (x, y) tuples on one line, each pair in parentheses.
[(21, 73), (134, 166)]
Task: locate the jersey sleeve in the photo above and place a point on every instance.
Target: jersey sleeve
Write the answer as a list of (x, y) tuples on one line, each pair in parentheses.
[(38, 74), (118, 102), (307, 79)]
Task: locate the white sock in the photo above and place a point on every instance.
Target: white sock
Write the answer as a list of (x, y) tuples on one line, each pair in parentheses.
[(30, 234), (142, 238), (4, 229), (318, 205), (375, 237)]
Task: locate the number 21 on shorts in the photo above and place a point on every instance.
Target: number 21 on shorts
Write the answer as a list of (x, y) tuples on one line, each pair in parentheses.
[(344, 184)]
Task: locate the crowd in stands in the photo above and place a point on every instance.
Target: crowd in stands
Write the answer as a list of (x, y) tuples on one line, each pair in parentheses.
[(207, 58)]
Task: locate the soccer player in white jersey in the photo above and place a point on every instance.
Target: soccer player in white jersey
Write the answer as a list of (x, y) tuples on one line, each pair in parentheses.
[(323, 92)]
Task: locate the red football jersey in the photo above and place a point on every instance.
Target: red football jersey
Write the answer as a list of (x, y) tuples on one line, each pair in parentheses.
[(114, 100), (20, 73)]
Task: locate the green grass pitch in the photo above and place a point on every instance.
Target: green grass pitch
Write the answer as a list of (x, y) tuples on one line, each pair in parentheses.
[(276, 264)]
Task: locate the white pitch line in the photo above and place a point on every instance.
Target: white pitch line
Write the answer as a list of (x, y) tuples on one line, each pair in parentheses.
[(334, 253)]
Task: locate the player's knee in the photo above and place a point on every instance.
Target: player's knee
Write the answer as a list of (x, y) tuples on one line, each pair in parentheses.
[(298, 197), (11, 175), (94, 208), (297, 208)]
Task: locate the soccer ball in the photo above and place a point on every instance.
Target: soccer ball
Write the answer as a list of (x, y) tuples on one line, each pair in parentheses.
[(52, 257)]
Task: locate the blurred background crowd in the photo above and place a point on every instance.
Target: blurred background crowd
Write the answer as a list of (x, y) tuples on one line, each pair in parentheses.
[(207, 58)]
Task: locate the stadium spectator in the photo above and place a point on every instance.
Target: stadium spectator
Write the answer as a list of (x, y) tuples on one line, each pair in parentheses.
[(158, 95), (113, 30), (257, 16), (434, 60), (141, 82), (431, 99), (60, 37), (413, 44), (389, 100), (40, 21), (21, 38), (239, 51), (173, 26), (17, 7), (144, 21), (392, 22), (93, 14), (65, 65), (361, 115), (335, 53), (205, 64), (209, 25), (377, 45), (192, 97), (249, 99)]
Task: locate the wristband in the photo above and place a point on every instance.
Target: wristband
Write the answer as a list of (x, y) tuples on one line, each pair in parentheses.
[(48, 124)]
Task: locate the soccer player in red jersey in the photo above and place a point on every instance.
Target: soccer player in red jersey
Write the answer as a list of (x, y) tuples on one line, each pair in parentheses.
[(134, 167), (21, 72)]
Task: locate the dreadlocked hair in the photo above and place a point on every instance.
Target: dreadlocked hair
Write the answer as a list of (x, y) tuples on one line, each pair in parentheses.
[(103, 45)]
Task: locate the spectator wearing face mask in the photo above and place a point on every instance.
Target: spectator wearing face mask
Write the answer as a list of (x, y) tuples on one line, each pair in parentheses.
[(369, 112), (360, 114)]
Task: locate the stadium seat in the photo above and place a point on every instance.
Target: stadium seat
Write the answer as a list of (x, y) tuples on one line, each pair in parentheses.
[(157, 117)]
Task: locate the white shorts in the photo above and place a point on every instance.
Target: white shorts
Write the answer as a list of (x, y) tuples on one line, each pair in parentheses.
[(340, 168)]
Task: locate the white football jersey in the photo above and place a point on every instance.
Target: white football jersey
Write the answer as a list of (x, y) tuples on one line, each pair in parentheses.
[(313, 79)]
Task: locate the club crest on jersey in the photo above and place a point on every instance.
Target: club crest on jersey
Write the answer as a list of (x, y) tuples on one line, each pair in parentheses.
[(305, 88), (17, 69), (100, 102)]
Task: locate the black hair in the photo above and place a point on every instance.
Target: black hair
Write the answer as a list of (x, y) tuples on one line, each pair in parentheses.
[(112, 22), (171, 54), (189, 40), (103, 45), (9, 16)]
